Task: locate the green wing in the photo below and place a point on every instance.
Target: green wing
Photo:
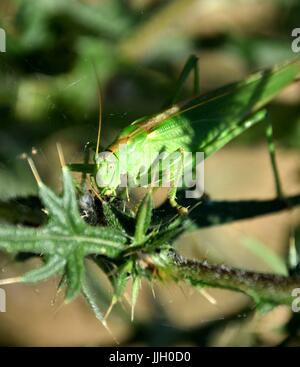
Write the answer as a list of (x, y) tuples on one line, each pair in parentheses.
[(208, 122)]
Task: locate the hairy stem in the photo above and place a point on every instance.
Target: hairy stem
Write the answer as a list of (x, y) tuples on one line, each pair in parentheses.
[(262, 287)]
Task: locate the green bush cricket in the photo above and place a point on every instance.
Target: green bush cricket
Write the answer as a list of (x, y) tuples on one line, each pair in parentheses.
[(203, 123)]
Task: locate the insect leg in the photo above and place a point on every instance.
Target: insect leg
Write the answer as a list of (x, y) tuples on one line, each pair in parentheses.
[(175, 176), (86, 159), (85, 167), (190, 66), (271, 149)]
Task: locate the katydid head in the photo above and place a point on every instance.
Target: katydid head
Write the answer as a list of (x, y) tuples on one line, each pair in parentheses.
[(107, 176)]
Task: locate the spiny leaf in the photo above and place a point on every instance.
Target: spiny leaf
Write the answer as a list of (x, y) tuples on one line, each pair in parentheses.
[(169, 232), (120, 281), (111, 218), (49, 240), (69, 200), (19, 239), (144, 215), (136, 283), (65, 240), (53, 266), (75, 274), (54, 206), (91, 299), (103, 241)]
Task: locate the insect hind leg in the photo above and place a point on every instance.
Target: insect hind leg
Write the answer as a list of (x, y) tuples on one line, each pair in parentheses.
[(175, 177), (190, 66), (271, 149)]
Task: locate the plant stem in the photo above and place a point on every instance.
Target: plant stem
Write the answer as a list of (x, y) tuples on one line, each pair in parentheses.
[(218, 212), (262, 287)]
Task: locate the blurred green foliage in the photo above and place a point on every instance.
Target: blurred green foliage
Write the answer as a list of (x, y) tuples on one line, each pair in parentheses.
[(48, 84)]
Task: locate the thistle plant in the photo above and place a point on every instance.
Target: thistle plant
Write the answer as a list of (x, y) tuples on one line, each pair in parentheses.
[(131, 247)]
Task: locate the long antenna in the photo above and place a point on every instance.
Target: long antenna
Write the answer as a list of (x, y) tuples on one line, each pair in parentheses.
[(100, 111)]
